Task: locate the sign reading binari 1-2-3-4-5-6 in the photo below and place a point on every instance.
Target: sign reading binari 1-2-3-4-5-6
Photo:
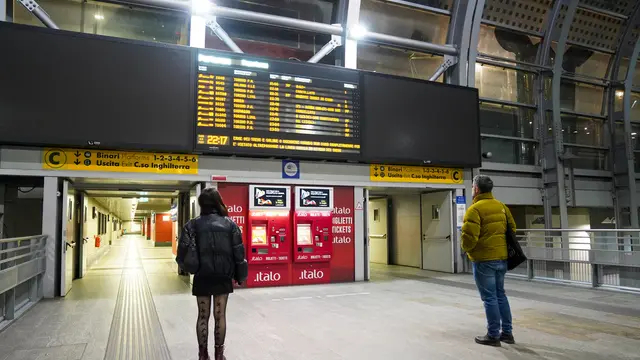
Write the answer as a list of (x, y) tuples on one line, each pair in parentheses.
[(119, 161)]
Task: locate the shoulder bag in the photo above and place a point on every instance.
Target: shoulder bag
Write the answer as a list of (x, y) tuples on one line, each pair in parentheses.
[(188, 258), (515, 255)]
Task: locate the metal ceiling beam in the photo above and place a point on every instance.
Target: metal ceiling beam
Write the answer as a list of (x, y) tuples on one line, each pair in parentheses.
[(39, 12), (294, 24)]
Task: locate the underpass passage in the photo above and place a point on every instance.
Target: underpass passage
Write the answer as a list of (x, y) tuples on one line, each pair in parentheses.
[(406, 313)]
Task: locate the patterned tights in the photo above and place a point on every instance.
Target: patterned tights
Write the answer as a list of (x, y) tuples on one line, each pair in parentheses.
[(219, 315)]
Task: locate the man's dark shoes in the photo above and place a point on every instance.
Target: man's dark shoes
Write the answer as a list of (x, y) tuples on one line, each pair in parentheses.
[(488, 340), (507, 338)]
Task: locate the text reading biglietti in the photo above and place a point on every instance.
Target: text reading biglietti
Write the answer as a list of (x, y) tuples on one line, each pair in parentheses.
[(248, 107)]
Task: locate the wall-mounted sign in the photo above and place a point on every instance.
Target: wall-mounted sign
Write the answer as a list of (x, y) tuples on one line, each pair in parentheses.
[(269, 197), (318, 198), (415, 174), (119, 161), (290, 169)]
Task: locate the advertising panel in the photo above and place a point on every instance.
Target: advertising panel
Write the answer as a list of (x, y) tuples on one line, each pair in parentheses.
[(343, 260), (236, 197)]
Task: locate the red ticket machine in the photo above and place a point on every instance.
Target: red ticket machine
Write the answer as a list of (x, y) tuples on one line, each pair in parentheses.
[(313, 238), (269, 236)]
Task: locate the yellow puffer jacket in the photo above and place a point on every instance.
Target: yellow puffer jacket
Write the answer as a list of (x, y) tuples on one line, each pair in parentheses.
[(485, 225)]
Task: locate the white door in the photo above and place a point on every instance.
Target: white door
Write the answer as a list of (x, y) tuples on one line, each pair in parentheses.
[(68, 237), (377, 219), (437, 231)]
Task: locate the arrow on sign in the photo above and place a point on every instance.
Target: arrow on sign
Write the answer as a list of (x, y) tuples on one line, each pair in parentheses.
[(77, 154), (375, 174), (77, 162)]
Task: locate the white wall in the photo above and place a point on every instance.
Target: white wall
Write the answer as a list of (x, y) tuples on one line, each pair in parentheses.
[(405, 230), (132, 227), (91, 253)]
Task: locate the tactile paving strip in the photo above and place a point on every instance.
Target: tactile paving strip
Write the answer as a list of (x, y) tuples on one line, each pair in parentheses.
[(136, 332)]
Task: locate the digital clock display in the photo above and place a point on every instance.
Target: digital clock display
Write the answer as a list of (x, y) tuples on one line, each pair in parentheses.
[(276, 108)]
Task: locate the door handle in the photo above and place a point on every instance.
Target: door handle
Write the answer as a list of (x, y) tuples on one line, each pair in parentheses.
[(384, 236), (85, 240), (70, 245)]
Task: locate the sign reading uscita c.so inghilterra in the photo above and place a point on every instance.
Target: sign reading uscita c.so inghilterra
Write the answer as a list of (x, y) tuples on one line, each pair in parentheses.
[(415, 174), (119, 161)]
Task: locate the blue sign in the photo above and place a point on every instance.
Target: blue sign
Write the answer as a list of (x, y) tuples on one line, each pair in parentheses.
[(460, 200), (290, 169)]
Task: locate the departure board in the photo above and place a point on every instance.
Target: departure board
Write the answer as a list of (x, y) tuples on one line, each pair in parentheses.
[(276, 108)]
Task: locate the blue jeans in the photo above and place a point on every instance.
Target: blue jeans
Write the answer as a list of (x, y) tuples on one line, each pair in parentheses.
[(489, 277)]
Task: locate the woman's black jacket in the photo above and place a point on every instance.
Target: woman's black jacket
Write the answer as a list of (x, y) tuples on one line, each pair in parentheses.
[(219, 244)]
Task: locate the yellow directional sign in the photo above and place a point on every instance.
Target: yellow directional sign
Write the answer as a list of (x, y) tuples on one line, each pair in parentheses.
[(415, 174), (118, 161)]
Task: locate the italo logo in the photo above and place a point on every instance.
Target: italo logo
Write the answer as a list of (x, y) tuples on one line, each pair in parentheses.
[(311, 274), (267, 276)]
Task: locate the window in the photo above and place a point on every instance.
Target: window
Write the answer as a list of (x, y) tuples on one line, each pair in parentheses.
[(583, 61), (435, 212), (111, 20), (583, 130), (399, 62), (404, 21), (376, 215), (582, 98), (507, 44), (505, 84), (506, 120), (510, 151)]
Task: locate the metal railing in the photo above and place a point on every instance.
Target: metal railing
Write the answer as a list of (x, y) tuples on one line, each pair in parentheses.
[(22, 266), (592, 257)]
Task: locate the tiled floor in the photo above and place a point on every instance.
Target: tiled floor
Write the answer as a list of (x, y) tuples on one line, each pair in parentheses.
[(401, 314)]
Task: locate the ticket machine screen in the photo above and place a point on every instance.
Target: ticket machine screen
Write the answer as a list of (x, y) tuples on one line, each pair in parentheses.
[(259, 235), (304, 234)]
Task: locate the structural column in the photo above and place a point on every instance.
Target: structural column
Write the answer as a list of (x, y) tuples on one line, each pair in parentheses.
[(622, 148), (351, 45), (50, 228), (551, 144), (464, 30)]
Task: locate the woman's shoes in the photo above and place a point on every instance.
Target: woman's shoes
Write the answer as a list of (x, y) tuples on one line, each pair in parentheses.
[(219, 353), (203, 353)]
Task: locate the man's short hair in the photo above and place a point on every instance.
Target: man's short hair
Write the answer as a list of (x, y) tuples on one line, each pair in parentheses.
[(484, 183)]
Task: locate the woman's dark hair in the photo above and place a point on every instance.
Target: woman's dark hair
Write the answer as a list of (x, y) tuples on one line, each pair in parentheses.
[(210, 202)]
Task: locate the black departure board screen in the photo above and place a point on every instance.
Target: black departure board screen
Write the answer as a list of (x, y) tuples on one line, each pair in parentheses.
[(411, 121), (248, 105), (62, 88)]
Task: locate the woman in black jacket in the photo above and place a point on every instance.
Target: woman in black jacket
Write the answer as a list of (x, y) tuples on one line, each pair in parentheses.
[(220, 250)]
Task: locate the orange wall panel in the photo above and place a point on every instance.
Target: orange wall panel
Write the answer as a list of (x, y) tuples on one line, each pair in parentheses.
[(164, 229)]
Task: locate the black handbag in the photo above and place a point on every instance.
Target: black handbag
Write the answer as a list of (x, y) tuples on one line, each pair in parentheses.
[(515, 255), (188, 259)]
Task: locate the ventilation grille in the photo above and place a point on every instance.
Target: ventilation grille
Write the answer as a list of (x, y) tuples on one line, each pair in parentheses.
[(594, 30), (527, 15), (622, 7)]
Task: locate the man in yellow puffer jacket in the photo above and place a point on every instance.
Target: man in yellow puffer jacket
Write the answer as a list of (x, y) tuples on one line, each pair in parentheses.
[(484, 241)]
